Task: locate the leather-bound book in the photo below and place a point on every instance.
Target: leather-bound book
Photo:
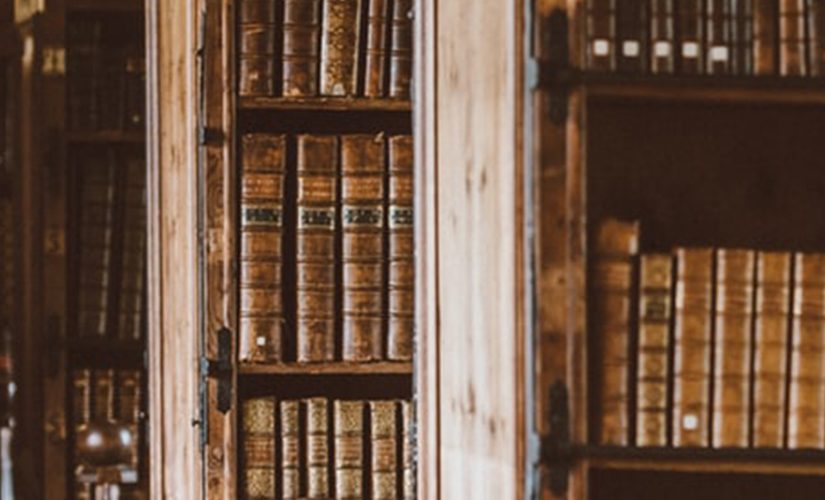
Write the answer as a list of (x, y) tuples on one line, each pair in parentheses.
[(349, 449), (764, 36), (653, 372), (401, 247), (362, 192), (662, 39), (317, 170), (601, 35), (806, 407), (384, 449), (262, 200), (692, 349), (376, 57), (317, 448), (718, 40), (133, 260), (615, 248), (339, 47), (128, 403), (103, 396), (401, 49), (691, 37), (290, 449), (773, 277), (301, 47), (258, 441), (407, 469), (792, 41), (732, 348), (816, 37), (632, 36), (256, 47), (81, 414), (742, 36)]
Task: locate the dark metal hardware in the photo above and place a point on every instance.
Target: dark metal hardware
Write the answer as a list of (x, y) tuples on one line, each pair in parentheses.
[(221, 369), (556, 449)]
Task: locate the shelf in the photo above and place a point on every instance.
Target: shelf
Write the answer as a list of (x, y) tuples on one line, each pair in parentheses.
[(106, 353), (105, 5), (325, 104), (335, 368), (106, 137)]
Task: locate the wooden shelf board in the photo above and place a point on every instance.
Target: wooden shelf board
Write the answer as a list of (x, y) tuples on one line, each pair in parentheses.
[(106, 137), (335, 368), (105, 5), (325, 104), (115, 353)]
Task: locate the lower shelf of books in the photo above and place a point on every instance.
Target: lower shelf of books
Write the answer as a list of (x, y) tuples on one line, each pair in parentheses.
[(337, 368)]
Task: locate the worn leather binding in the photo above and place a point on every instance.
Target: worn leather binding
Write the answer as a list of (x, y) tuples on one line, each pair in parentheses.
[(401, 265), (339, 47), (733, 348), (792, 57), (401, 51), (691, 37), (131, 301), (362, 177), (816, 37), (601, 35), (290, 449), (262, 200), (316, 255), (81, 414), (742, 24), (258, 441), (655, 287), (384, 449), (662, 38), (103, 396), (407, 469), (128, 406), (376, 54), (317, 448), (773, 277), (764, 37), (257, 47), (632, 36), (349, 449), (806, 407), (718, 40), (692, 337), (301, 47)]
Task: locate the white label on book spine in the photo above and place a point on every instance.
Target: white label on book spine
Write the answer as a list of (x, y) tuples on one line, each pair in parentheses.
[(662, 49), (601, 47), (719, 53), (690, 422), (631, 48), (690, 49)]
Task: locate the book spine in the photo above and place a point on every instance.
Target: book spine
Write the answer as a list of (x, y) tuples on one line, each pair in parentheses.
[(692, 337), (384, 449), (742, 36), (616, 245), (317, 448), (773, 277), (316, 254), (103, 402), (691, 37), (376, 57), (653, 372), (662, 37), (401, 49), (792, 60), (764, 37), (816, 37), (733, 349), (257, 47), (349, 446), (301, 47), (131, 301), (601, 35), (401, 247), (262, 200), (290, 449), (632, 36), (362, 192), (339, 47), (81, 414), (719, 42), (806, 406), (128, 408), (135, 93), (407, 469), (258, 427)]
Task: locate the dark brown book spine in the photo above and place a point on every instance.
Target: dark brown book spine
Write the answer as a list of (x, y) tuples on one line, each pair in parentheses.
[(632, 36), (692, 349), (257, 47), (81, 414), (816, 37), (133, 264), (315, 244), (662, 38), (339, 47), (601, 35), (742, 44), (262, 200), (384, 450), (765, 37), (401, 247), (401, 49), (317, 448), (718, 41), (258, 441), (691, 37), (128, 408), (362, 191), (301, 47), (376, 58), (103, 402), (792, 57), (349, 449), (290, 449)]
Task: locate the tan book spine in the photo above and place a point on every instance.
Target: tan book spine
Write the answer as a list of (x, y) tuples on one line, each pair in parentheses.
[(133, 264), (407, 469), (764, 37), (301, 47), (128, 407), (349, 449), (773, 277), (256, 47), (81, 414), (662, 38), (376, 48), (601, 47), (317, 446), (317, 215), (692, 336), (262, 204), (401, 52), (653, 372), (733, 349), (614, 250), (290, 449), (806, 407), (792, 57), (384, 450), (103, 401), (339, 47), (259, 475), (816, 37), (401, 247)]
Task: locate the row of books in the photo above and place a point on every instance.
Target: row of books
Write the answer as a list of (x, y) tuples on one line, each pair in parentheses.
[(350, 222), (307, 48), (299, 449), (7, 263), (721, 347), (111, 246), (106, 75), (716, 37)]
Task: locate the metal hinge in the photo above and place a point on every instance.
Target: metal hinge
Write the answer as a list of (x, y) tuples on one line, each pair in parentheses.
[(555, 72), (556, 449), (221, 369)]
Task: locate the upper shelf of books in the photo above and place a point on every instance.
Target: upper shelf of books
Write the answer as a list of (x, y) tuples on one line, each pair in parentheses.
[(106, 5)]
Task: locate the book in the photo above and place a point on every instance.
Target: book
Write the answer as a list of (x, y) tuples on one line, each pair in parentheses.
[(384, 449), (653, 370), (742, 40), (806, 406), (131, 301), (258, 441), (103, 396), (83, 47), (290, 449), (315, 247), (773, 277), (407, 459), (81, 414), (692, 349), (601, 35), (615, 247), (339, 47), (632, 36), (262, 206), (816, 36), (129, 409), (349, 453), (376, 54), (792, 58), (733, 348), (662, 37), (256, 47), (691, 37), (301, 47), (401, 277), (401, 49), (135, 92), (718, 39), (765, 38), (317, 448), (363, 174)]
